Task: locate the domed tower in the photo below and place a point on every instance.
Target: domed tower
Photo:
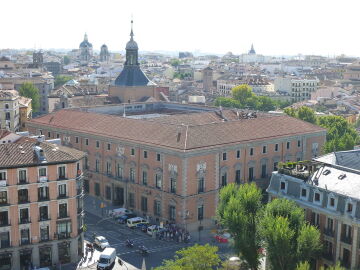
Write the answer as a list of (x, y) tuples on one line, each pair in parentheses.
[(132, 84), (104, 53), (86, 49)]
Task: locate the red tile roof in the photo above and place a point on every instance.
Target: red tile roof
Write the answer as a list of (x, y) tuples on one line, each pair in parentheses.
[(183, 131)]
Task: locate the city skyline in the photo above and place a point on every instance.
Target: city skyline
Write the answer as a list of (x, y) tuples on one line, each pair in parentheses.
[(278, 28)]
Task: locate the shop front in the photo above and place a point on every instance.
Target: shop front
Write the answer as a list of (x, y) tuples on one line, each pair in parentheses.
[(25, 259), (5, 261), (45, 256), (64, 252)]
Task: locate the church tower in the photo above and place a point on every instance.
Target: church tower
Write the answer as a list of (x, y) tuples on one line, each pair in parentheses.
[(132, 84)]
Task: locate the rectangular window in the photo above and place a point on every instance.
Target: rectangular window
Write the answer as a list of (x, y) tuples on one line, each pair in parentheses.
[(132, 174), (24, 237), (42, 172), (43, 213), (57, 135), (224, 179), (86, 163), (303, 192), (251, 173), (145, 154), (158, 181), (276, 147), (251, 151), (2, 176), (299, 143), (97, 189), (287, 145), (173, 185), (263, 171), (172, 213), (44, 234), (282, 186), (349, 208), (201, 212), (158, 157), (133, 151), (276, 166), (62, 191), (43, 193), (144, 204), (201, 185), (63, 210), (108, 147), (97, 165), (108, 167), (49, 134), (108, 192), (131, 200), (86, 186), (3, 197), (22, 177), (332, 202), (264, 149), (23, 196), (119, 171), (86, 141), (144, 178), (4, 218), (97, 144), (224, 157), (157, 208), (238, 177), (24, 216), (238, 154), (61, 172), (317, 197), (76, 139)]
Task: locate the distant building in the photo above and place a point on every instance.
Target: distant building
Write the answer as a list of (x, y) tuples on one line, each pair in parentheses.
[(6, 64), (25, 111), (104, 54), (328, 189), (251, 57), (54, 67), (298, 88), (207, 79), (85, 50), (185, 55), (352, 74), (9, 110), (38, 59)]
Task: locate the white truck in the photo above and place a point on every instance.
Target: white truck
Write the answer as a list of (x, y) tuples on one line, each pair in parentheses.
[(107, 259)]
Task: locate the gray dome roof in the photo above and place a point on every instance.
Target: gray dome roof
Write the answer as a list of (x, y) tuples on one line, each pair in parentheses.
[(104, 46), (85, 43), (131, 45)]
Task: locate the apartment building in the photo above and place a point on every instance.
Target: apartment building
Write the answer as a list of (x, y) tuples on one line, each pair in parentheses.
[(298, 88), (25, 108), (9, 110), (40, 204), (328, 190), (167, 161)]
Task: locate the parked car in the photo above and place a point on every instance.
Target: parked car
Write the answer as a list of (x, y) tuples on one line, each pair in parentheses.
[(119, 212), (107, 259), (134, 222), (152, 229), (143, 227), (101, 242), (123, 219)]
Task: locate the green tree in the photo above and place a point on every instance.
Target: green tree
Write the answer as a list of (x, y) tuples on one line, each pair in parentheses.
[(227, 102), (66, 60), (290, 111), (175, 62), (306, 266), (29, 90), (238, 211), (288, 238), (307, 114), (61, 80), (242, 93), (266, 104), (196, 257)]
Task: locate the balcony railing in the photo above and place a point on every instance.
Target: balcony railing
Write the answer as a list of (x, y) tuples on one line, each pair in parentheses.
[(44, 218), (45, 238), (23, 182), (63, 215), (329, 232), (23, 200), (5, 244), (24, 220), (43, 179), (24, 242), (63, 235), (4, 223), (346, 239), (62, 196), (43, 198), (62, 177), (2, 183)]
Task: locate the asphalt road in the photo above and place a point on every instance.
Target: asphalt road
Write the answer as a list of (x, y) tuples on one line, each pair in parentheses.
[(117, 234)]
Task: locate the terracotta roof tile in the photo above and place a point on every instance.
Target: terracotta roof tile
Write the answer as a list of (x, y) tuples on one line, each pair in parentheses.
[(182, 131)]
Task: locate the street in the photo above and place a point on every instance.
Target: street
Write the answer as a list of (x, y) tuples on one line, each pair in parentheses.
[(117, 234)]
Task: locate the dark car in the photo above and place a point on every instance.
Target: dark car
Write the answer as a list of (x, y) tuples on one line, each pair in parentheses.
[(124, 218), (143, 227)]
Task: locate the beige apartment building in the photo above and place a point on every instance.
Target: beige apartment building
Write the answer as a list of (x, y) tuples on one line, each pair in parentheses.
[(41, 205), (167, 161), (9, 110)]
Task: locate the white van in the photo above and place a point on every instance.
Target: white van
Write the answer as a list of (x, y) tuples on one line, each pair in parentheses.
[(152, 229), (107, 259), (118, 212), (133, 222)]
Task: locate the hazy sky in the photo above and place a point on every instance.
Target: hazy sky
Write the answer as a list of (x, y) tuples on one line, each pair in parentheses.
[(276, 27)]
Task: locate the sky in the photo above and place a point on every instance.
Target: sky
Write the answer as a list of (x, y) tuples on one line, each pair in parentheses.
[(275, 27)]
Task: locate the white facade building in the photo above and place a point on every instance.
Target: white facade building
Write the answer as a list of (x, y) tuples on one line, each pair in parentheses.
[(298, 88)]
